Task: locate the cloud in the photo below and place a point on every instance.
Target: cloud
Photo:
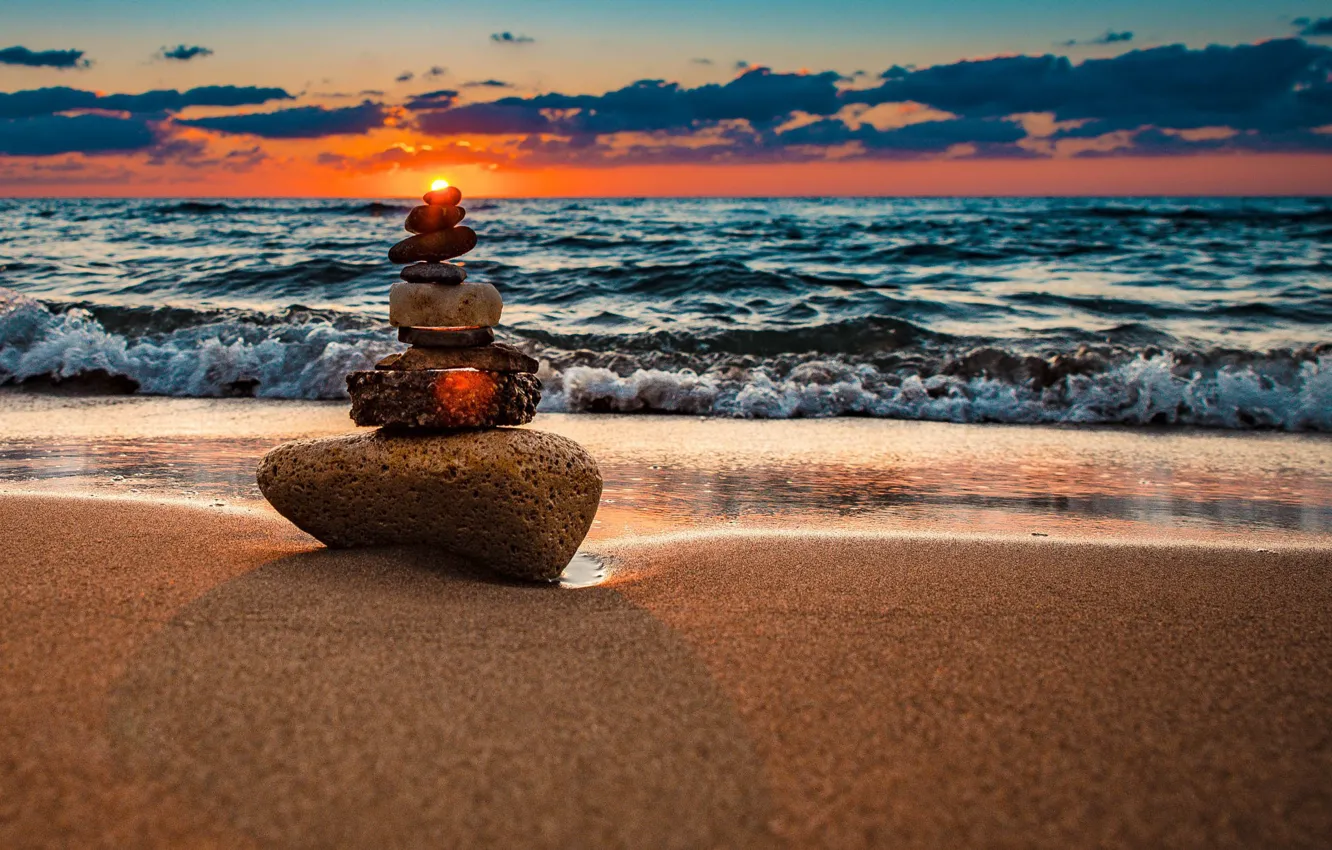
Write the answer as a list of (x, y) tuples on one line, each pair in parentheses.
[(1314, 28), (302, 122), (1270, 86), (400, 156), (441, 99), (701, 61), (484, 119), (404, 77), (49, 101), (922, 137), (48, 135), (489, 84), (183, 53), (741, 65), (435, 72), (1262, 97), (62, 59), (510, 38), (1109, 37), (759, 96)]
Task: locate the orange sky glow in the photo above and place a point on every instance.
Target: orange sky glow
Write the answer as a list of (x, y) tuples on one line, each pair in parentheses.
[(1228, 174)]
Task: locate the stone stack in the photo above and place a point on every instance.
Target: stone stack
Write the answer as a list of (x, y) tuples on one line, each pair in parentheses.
[(455, 375), (443, 470)]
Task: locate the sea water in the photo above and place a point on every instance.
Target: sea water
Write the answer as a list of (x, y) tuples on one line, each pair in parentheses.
[(1213, 312)]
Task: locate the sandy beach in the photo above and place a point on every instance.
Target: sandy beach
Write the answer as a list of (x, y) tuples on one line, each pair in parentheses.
[(182, 675), (812, 634)]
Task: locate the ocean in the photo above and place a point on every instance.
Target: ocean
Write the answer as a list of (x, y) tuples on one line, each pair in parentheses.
[(1184, 311)]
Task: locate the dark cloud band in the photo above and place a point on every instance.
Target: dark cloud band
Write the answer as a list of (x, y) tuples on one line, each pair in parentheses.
[(49, 101), (302, 122), (43, 58), (184, 53)]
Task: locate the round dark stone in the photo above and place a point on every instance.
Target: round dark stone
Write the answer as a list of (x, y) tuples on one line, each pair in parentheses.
[(431, 218), (433, 273), (441, 197), (441, 245), (447, 337)]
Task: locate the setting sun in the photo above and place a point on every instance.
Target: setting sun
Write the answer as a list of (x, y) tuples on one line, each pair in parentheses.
[(439, 184)]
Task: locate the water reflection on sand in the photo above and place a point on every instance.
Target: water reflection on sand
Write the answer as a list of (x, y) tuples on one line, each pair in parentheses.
[(674, 473)]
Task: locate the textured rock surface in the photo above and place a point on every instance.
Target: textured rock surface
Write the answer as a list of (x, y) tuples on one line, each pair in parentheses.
[(496, 357), (516, 501), (433, 217), (443, 245), (433, 273), (443, 398), (449, 196), (430, 305)]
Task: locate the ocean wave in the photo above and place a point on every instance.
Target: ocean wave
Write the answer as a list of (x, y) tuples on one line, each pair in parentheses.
[(306, 354), (192, 208), (211, 208), (1146, 390), (1262, 216), (305, 358)]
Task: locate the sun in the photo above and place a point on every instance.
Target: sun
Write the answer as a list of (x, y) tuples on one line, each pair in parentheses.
[(439, 184)]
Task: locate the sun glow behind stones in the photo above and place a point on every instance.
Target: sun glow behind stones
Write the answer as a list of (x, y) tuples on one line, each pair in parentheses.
[(439, 184)]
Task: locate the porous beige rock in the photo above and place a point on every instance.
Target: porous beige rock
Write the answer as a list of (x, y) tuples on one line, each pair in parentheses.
[(430, 305), (516, 501)]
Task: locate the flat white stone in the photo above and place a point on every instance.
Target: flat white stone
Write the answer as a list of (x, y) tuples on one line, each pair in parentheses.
[(432, 305)]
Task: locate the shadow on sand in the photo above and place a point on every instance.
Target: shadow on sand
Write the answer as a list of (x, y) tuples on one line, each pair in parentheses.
[(379, 698)]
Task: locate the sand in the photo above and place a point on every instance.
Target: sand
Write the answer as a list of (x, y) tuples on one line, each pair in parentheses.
[(180, 676)]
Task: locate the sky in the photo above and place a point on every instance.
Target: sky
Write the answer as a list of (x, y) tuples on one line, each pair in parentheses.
[(673, 97)]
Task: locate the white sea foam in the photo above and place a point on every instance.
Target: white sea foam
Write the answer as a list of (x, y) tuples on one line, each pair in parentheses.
[(1145, 390), (310, 359)]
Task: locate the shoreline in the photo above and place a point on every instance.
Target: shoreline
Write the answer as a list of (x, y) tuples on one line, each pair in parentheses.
[(666, 473)]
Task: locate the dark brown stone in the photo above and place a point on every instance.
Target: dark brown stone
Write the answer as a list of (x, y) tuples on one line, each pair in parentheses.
[(496, 357), (443, 197), (433, 273), (433, 218), (440, 245), (447, 337), (443, 398)]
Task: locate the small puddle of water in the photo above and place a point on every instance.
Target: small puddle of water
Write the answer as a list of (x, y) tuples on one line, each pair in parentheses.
[(585, 570)]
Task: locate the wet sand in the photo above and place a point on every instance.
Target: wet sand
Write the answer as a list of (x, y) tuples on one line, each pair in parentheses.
[(666, 473), (180, 675)]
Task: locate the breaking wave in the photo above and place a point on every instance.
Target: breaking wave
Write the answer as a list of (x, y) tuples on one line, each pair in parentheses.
[(875, 367)]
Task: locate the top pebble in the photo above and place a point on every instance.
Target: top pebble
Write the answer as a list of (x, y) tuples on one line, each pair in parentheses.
[(443, 197)]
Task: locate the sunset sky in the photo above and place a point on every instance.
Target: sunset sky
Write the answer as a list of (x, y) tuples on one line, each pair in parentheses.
[(686, 97)]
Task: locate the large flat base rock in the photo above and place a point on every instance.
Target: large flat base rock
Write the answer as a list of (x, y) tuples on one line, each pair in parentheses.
[(515, 501), (443, 398)]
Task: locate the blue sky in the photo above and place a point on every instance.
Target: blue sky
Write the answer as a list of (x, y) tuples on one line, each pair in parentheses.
[(592, 45), (347, 77)]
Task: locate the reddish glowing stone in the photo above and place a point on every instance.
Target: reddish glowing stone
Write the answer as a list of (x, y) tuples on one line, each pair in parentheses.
[(443, 398)]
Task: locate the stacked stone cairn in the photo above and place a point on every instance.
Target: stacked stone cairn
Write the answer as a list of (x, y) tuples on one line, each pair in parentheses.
[(444, 469)]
